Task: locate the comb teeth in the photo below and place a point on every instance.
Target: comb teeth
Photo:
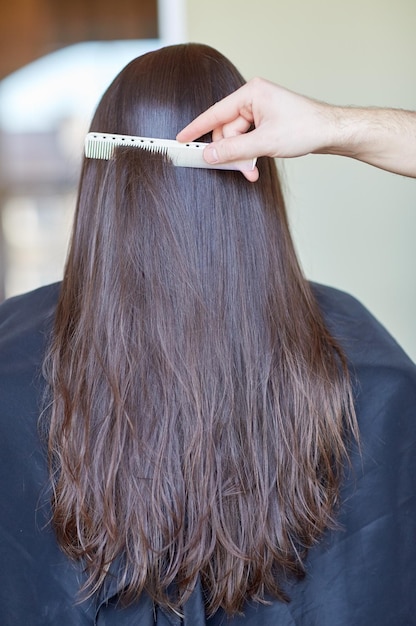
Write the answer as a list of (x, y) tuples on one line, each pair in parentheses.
[(102, 145)]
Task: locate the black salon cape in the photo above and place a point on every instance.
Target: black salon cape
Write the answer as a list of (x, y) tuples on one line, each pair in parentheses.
[(361, 575)]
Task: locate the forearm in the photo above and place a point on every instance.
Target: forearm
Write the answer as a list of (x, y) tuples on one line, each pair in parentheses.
[(385, 138)]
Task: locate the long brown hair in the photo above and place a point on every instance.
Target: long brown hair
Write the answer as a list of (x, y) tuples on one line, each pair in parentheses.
[(200, 407)]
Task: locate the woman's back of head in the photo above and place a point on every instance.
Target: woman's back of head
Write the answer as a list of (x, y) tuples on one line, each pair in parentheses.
[(199, 403), (157, 93)]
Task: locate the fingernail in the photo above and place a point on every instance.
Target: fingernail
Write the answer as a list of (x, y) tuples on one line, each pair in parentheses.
[(211, 155)]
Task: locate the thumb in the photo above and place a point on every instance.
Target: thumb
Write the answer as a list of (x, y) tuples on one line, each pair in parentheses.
[(236, 148)]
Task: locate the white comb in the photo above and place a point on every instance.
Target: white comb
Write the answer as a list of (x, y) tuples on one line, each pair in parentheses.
[(101, 146)]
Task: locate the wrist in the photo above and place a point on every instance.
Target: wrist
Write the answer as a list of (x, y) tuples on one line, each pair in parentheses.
[(345, 131)]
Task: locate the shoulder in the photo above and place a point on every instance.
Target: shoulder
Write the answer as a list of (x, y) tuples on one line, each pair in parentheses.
[(28, 308), (384, 377), (24, 322), (365, 340)]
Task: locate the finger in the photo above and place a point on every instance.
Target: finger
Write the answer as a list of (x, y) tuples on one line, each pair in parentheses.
[(239, 147), (220, 113), (217, 134), (237, 127), (251, 175)]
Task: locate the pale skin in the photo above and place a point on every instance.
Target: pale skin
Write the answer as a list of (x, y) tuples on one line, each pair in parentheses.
[(288, 125)]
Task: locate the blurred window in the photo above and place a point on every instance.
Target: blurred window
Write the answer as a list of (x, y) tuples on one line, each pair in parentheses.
[(45, 110)]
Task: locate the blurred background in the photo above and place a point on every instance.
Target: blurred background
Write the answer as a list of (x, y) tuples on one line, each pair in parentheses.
[(354, 226)]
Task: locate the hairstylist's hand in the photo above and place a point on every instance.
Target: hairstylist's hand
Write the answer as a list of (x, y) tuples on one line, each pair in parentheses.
[(286, 125)]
